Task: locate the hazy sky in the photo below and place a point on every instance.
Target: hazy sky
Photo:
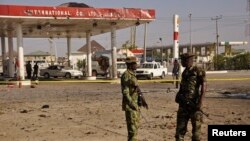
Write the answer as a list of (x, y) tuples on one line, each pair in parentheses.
[(231, 27)]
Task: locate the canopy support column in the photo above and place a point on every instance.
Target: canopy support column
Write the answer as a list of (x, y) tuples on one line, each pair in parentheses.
[(20, 51), (3, 54), (89, 54), (113, 48), (11, 54), (69, 49), (145, 43)]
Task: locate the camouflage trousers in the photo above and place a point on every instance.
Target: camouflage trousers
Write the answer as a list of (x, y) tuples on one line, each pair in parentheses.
[(132, 119), (183, 116)]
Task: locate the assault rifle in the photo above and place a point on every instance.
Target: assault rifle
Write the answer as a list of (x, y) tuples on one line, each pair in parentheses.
[(141, 100), (190, 105)]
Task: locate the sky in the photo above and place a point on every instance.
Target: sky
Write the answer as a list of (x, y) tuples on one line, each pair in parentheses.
[(231, 27)]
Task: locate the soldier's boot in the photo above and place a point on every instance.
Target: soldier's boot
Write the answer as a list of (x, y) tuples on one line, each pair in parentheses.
[(132, 136), (179, 138), (196, 138)]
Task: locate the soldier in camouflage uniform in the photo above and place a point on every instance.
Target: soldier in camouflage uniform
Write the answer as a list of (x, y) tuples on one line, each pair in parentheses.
[(130, 98), (192, 90)]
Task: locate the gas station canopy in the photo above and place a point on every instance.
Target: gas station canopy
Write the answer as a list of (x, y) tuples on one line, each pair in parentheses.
[(74, 22)]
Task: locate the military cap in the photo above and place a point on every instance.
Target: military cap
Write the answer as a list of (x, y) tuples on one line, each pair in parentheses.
[(130, 60), (186, 55)]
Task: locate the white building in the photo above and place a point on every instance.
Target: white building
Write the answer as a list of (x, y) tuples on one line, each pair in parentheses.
[(75, 57)]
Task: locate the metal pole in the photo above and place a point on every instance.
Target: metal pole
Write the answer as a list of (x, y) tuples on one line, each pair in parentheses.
[(50, 43), (145, 43), (69, 49), (217, 40), (190, 36), (134, 46), (176, 37), (161, 50)]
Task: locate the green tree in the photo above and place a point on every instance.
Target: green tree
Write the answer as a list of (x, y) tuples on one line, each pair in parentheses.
[(238, 62), (81, 64), (220, 63), (129, 46)]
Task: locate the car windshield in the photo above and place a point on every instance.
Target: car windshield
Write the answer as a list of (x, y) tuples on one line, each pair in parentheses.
[(147, 66), (67, 68), (121, 66)]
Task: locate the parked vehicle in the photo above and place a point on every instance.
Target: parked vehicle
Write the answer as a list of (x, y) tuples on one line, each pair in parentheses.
[(150, 70), (60, 71), (97, 69), (121, 68)]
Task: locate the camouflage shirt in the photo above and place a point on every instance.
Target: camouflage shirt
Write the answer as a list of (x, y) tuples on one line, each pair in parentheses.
[(128, 86), (192, 79)]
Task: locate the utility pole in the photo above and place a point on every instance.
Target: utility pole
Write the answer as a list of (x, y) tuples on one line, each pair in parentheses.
[(161, 50), (190, 36), (217, 40), (248, 20), (52, 43)]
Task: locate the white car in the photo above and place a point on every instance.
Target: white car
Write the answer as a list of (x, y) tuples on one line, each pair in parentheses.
[(150, 70), (121, 68), (60, 71)]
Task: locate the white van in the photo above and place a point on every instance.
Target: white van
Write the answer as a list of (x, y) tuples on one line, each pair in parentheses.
[(97, 70)]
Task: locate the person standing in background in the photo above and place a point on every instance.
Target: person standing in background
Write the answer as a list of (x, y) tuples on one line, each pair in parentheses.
[(35, 72), (176, 72), (28, 70)]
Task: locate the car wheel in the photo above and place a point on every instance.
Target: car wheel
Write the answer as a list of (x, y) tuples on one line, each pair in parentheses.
[(150, 77), (68, 75), (46, 75), (94, 73), (162, 75)]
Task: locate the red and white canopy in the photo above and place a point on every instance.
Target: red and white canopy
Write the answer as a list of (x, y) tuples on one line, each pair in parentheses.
[(60, 22)]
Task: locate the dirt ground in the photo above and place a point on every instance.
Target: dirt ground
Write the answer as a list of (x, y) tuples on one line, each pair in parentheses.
[(92, 111)]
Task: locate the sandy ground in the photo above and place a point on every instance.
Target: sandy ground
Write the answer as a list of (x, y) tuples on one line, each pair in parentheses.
[(92, 111)]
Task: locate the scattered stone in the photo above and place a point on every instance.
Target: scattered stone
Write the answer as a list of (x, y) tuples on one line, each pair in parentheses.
[(42, 115), (88, 133), (24, 111), (157, 116), (3, 134), (45, 106), (226, 92), (168, 90)]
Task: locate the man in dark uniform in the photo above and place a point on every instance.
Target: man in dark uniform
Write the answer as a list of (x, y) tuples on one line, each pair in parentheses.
[(28, 69), (130, 105), (176, 72), (35, 72), (189, 98)]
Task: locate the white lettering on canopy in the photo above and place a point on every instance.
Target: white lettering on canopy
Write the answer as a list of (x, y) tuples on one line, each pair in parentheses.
[(37, 12)]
